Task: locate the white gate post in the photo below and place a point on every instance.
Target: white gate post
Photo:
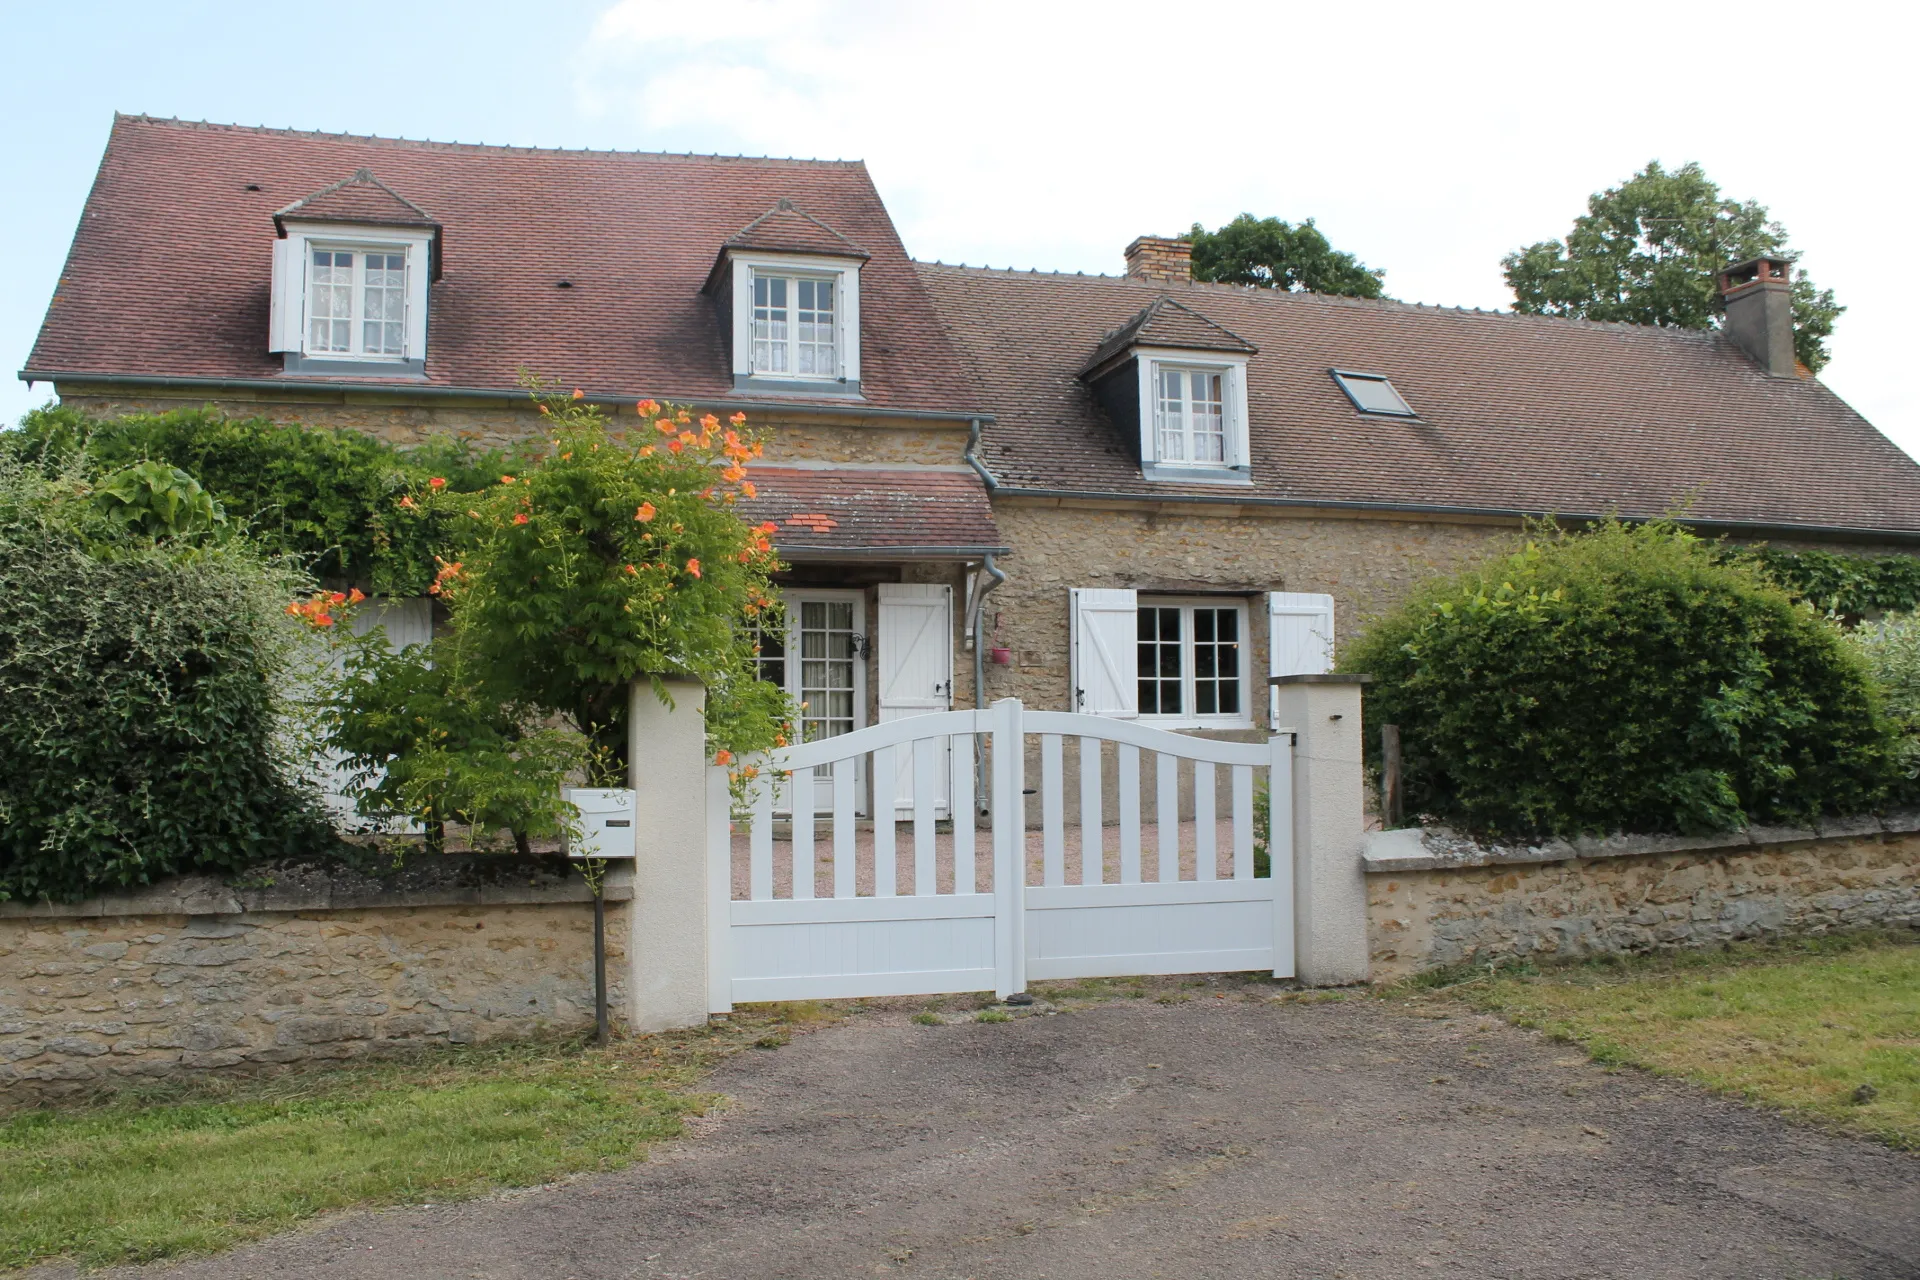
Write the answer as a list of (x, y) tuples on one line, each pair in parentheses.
[(667, 769), (1009, 806), (1329, 817)]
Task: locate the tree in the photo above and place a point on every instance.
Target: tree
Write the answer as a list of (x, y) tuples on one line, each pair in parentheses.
[(1648, 252), (1273, 254)]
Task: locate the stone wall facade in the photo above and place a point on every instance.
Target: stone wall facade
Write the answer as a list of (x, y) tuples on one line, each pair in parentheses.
[(1434, 900), (1366, 565), (190, 976)]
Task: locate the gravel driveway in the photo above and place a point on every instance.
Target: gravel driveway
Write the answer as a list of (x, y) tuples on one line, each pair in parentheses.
[(1218, 1137)]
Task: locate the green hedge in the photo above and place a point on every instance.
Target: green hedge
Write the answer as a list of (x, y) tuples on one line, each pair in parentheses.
[(139, 699), (1626, 678), (328, 496)]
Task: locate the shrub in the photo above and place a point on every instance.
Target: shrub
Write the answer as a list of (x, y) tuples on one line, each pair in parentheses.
[(329, 497), (426, 743), (1626, 678), (617, 556), (139, 671), (1891, 648)]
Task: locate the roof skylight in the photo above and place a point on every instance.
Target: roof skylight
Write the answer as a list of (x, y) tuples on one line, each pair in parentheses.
[(1372, 393)]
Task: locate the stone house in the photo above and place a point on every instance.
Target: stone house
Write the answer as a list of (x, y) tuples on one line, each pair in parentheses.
[(1135, 495)]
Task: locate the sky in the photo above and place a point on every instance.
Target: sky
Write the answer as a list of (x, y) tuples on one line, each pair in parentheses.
[(1426, 139)]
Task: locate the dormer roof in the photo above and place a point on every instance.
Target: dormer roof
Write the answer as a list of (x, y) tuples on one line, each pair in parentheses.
[(1164, 322), (365, 200), (785, 228), (360, 198)]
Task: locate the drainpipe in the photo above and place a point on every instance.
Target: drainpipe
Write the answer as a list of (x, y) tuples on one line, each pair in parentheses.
[(995, 576)]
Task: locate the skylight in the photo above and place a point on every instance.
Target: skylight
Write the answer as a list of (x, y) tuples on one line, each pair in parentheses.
[(1372, 393)]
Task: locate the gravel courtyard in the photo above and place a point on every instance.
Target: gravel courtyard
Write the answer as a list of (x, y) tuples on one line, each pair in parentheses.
[(1227, 1135)]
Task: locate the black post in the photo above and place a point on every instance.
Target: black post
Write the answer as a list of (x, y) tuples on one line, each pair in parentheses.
[(1389, 776), (599, 964)]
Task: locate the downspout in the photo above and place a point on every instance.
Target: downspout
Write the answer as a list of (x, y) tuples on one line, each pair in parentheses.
[(995, 576)]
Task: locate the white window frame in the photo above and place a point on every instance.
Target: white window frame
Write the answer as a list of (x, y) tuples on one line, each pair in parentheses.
[(1236, 466), (292, 271), (1187, 718), (842, 273)]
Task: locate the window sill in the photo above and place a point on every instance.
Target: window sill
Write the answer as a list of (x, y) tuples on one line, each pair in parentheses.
[(761, 384), (1196, 475), (1178, 722), (327, 367)]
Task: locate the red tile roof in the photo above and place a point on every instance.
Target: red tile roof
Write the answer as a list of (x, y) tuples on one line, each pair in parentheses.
[(360, 198), (1517, 413), (169, 272), (825, 512), (785, 229)]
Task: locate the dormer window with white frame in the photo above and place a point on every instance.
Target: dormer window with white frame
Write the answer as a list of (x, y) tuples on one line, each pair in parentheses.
[(1195, 424), (796, 324), (1179, 380), (790, 284), (351, 271)]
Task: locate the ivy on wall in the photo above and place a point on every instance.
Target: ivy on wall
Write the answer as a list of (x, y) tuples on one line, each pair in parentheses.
[(328, 496), (1850, 586)]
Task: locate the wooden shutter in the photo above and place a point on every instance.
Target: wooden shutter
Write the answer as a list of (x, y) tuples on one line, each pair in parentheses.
[(913, 651), (285, 313), (1299, 637), (1105, 658)]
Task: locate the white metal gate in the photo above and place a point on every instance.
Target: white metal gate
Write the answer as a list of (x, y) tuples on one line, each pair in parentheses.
[(830, 908)]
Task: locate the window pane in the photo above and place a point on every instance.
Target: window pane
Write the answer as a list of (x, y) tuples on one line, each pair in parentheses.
[(814, 330), (826, 668), (330, 302), (1216, 661), (1171, 416), (770, 323), (1158, 633)]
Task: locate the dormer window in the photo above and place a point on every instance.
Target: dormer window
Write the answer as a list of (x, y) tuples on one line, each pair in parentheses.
[(1177, 382), (794, 327), (357, 302), (1191, 415), (789, 285), (350, 276)]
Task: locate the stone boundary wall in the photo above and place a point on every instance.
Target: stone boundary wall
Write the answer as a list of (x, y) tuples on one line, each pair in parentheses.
[(194, 975), (1435, 898)]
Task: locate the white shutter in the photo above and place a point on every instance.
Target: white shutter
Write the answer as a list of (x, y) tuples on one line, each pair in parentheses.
[(913, 650), (417, 273), (1105, 657), (1299, 638), (285, 313)]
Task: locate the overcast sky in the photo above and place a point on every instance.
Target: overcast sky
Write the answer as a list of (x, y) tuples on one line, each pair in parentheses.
[(1427, 139)]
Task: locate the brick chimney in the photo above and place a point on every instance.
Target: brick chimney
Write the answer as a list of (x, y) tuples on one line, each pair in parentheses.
[(1758, 295), (1160, 258)]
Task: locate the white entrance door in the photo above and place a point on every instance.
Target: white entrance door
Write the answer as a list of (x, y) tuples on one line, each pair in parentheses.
[(816, 660), (914, 651)]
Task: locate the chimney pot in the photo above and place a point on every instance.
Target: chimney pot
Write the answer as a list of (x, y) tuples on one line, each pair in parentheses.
[(1160, 258), (1758, 295)]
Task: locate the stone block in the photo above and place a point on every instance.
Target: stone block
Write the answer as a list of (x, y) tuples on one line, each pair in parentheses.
[(309, 1030)]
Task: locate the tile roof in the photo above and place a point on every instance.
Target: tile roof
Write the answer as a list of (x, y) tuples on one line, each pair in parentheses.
[(1517, 413), (785, 229), (823, 512), (1164, 322), (360, 198), (633, 232)]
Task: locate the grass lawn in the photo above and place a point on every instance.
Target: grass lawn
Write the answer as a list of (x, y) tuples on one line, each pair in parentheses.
[(1801, 1026), (214, 1164)]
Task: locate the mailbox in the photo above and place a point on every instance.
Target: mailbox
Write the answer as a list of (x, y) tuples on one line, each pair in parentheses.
[(606, 822)]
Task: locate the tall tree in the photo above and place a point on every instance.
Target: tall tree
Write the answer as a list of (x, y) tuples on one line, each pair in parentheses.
[(1278, 255), (1646, 252)]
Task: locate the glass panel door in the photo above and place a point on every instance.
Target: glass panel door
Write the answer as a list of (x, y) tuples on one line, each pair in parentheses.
[(816, 659)]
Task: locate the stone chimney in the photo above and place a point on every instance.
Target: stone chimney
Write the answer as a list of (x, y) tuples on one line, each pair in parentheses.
[(1159, 258), (1758, 294)]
